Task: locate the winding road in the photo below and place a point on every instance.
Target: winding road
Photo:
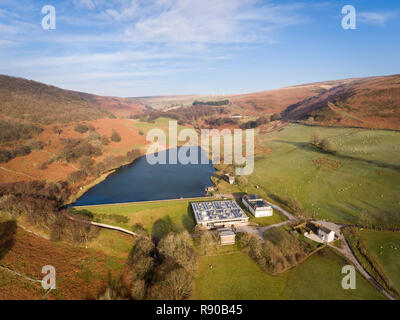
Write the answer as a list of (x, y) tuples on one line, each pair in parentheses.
[(346, 251)]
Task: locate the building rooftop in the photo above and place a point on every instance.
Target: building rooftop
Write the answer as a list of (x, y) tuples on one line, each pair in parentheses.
[(217, 210), (252, 197), (324, 229), (226, 232), (260, 204), (256, 201)]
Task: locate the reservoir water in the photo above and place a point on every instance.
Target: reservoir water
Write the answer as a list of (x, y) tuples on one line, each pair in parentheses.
[(141, 181)]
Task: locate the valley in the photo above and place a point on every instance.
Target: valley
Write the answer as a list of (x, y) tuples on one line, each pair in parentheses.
[(319, 154)]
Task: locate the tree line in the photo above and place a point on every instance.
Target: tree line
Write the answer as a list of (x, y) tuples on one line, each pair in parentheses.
[(280, 251), (39, 203), (183, 115), (211, 103)]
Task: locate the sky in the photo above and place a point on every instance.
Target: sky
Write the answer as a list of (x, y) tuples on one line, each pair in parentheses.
[(131, 48)]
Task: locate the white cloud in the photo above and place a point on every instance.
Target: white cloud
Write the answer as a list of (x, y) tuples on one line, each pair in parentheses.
[(125, 13), (102, 44), (84, 3), (375, 18), (204, 21)]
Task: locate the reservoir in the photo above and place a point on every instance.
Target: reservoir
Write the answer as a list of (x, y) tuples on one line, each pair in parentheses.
[(141, 181)]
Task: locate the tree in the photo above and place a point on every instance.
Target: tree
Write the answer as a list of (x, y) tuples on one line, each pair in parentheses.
[(275, 117), (179, 247), (295, 205), (36, 145), (206, 241), (76, 176), (179, 284), (105, 141), (57, 130), (316, 138), (142, 248), (85, 163), (81, 128), (20, 151), (138, 289), (6, 155), (115, 137), (328, 146)]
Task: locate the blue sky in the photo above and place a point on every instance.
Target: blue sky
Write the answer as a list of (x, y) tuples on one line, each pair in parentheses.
[(156, 47)]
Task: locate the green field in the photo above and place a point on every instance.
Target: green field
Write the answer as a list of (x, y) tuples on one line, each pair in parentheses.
[(358, 185), (267, 221), (236, 276), (156, 217), (385, 247)]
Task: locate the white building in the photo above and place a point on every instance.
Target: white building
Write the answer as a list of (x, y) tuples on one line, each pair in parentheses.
[(326, 234), (257, 206), (230, 178)]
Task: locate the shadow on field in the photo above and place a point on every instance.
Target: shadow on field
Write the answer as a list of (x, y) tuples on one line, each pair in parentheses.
[(218, 176), (162, 227), (308, 147), (188, 220), (7, 236), (238, 195)]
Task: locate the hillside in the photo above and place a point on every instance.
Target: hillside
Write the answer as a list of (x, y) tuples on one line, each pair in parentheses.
[(368, 103), (274, 101), (40, 103), (119, 107), (44, 104)]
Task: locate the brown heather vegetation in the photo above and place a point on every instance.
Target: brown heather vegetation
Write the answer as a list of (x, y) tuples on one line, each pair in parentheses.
[(107, 164), (29, 253), (367, 102)]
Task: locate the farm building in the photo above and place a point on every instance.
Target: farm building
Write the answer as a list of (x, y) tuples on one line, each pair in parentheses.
[(325, 234), (257, 206), (209, 189), (229, 177), (219, 214), (227, 236)]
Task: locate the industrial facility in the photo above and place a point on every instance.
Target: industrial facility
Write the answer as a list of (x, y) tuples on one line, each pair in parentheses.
[(257, 206), (219, 214)]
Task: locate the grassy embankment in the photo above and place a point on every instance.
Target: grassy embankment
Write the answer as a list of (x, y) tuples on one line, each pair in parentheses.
[(385, 246), (156, 217), (377, 251)]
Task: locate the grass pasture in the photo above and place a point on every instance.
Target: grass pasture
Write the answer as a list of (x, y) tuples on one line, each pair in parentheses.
[(385, 247), (359, 184), (267, 221), (236, 276)]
